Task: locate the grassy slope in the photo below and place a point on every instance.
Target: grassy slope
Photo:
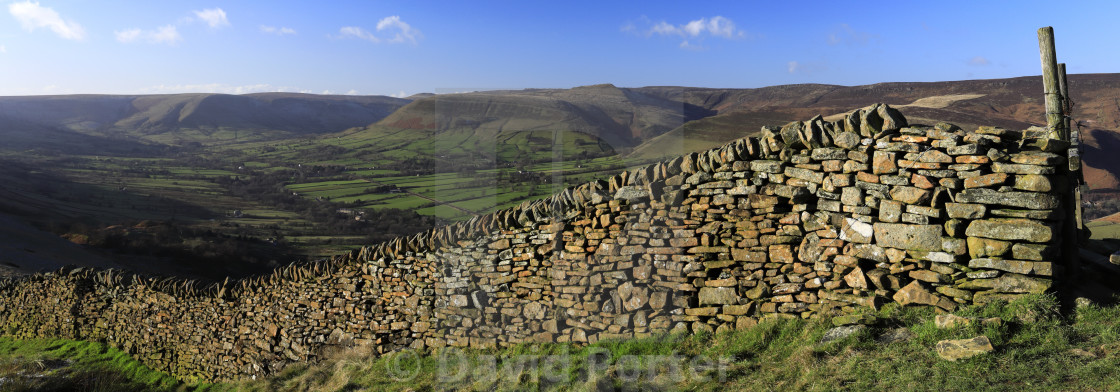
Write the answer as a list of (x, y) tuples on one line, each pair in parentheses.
[(1036, 350)]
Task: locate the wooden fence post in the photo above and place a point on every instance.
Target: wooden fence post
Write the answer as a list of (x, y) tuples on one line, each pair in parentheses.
[(1050, 84)]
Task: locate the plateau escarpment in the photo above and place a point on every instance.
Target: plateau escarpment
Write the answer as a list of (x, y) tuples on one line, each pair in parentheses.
[(814, 219)]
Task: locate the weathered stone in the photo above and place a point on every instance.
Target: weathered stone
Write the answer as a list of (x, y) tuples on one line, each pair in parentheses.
[(868, 252), (1038, 158), (766, 166), (1029, 200), (1049, 215), (1009, 283), (534, 311), (934, 156), (987, 180), (950, 320), (1042, 268), (910, 195), (847, 140), (890, 211), (718, 296), (856, 231), (759, 291), (1036, 252), (936, 257), (953, 350), (884, 163), (911, 237), (915, 293), (1021, 169), (1034, 183), (986, 247), (856, 279), (965, 211), (1011, 229), (842, 332)]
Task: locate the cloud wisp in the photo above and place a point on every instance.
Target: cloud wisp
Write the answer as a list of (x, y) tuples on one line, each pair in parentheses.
[(277, 30), (167, 34), (979, 61), (389, 30), (213, 17), (33, 16), (693, 33)]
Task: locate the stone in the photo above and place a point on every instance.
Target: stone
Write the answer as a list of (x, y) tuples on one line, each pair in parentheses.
[(1035, 252), (718, 296), (856, 279), (534, 311), (766, 166), (910, 195), (1034, 183), (953, 350), (805, 174), (843, 332), (1029, 200), (847, 140), (853, 319), (1009, 283), (986, 247), (1011, 229), (965, 211), (915, 293), (910, 237), (884, 163), (987, 180), (856, 231), (890, 211), (1017, 266), (1038, 158), (934, 156), (1014, 168), (944, 321), (868, 252), (759, 291)]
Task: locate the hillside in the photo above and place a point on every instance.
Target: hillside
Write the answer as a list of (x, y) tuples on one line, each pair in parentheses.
[(1010, 103), (206, 118)]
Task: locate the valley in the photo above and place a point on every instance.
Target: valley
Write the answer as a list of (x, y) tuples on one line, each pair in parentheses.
[(210, 186)]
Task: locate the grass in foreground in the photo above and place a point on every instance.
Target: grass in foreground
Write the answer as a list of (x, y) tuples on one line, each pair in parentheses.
[(1035, 349)]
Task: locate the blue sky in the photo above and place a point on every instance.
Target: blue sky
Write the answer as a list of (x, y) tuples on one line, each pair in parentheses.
[(403, 48)]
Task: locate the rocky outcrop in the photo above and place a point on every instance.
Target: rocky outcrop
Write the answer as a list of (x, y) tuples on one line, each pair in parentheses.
[(813, 219)]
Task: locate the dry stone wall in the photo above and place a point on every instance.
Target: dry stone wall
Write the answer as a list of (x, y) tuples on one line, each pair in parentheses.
[(813, 219)]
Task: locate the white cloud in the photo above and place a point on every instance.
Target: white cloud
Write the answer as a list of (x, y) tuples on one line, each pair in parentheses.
[(3, 49), (979, 61), (167, 34), (33, 16), (793, 66), (214, 17), (277, 30), (401, 32), (399, 95), (352, 92), (694, 32), (845, 34)]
